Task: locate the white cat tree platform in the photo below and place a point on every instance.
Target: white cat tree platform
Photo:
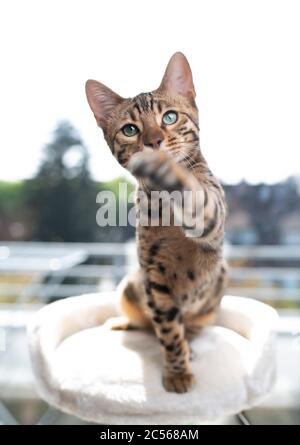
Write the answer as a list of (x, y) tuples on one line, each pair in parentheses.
[(115, 377)]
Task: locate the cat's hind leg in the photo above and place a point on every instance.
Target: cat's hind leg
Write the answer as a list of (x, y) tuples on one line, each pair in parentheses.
[(133, 316), (194, 325)]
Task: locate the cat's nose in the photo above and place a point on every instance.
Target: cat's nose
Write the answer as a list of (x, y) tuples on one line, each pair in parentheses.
[(155, 143), (153, 140)]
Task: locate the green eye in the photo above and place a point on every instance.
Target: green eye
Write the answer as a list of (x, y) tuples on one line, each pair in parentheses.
[(170, 117), (130, 130)]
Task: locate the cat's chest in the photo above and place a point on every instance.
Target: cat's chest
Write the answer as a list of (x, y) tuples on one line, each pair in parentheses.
[(167, 243), (178, 258), (192, 299)]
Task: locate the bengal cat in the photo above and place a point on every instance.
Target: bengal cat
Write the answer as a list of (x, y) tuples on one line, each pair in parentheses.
[(181, 278)]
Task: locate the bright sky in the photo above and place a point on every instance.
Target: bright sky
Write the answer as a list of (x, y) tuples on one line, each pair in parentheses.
[(245, 58)]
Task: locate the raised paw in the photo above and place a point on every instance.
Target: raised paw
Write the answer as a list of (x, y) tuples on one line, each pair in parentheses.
[(180, 383), (119, 324), (157, 169)]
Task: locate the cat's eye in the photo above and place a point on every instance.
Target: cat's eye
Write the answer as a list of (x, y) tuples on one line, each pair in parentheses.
[(130, 130), (170, 117)]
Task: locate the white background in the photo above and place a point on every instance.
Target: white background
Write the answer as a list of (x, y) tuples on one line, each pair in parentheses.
[(244, 55)]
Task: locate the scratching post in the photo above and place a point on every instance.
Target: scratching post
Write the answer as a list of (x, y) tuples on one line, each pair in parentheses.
[(115, 377)]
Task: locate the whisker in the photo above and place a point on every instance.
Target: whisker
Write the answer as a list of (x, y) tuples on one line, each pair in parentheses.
[(186, 157)]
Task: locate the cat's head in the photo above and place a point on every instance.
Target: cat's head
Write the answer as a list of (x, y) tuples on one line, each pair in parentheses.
[(165, 119)]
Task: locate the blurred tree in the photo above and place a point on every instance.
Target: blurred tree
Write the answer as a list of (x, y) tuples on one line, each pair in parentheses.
[(12, 210), (62, 195), (120, 233)]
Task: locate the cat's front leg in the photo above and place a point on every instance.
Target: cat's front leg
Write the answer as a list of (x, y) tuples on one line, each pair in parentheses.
[(181, 190), (199, 205), (169, 328)]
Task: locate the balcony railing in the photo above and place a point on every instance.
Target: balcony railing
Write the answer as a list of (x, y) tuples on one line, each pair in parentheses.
[(40, 272), (32, 274)]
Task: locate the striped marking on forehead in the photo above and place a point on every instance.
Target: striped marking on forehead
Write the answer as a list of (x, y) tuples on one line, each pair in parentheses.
[(143, 103)]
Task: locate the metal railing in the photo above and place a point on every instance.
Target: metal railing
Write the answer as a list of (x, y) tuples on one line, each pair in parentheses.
[(40, 272)]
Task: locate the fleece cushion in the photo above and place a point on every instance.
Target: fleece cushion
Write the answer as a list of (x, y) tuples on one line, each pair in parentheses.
[(115, 377)]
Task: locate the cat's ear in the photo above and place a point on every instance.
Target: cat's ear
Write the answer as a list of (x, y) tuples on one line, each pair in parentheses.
[(178, 77), (102, 101)]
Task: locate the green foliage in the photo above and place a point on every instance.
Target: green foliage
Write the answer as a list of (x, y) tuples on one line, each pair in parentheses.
[(11, 198), (59, 204), (114, 185), (62, 196)]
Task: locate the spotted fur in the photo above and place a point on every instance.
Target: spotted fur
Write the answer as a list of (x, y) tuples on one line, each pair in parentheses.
[(181, 279)]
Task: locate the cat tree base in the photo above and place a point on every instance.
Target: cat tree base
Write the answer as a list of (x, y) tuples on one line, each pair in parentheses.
[(115, 377)]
